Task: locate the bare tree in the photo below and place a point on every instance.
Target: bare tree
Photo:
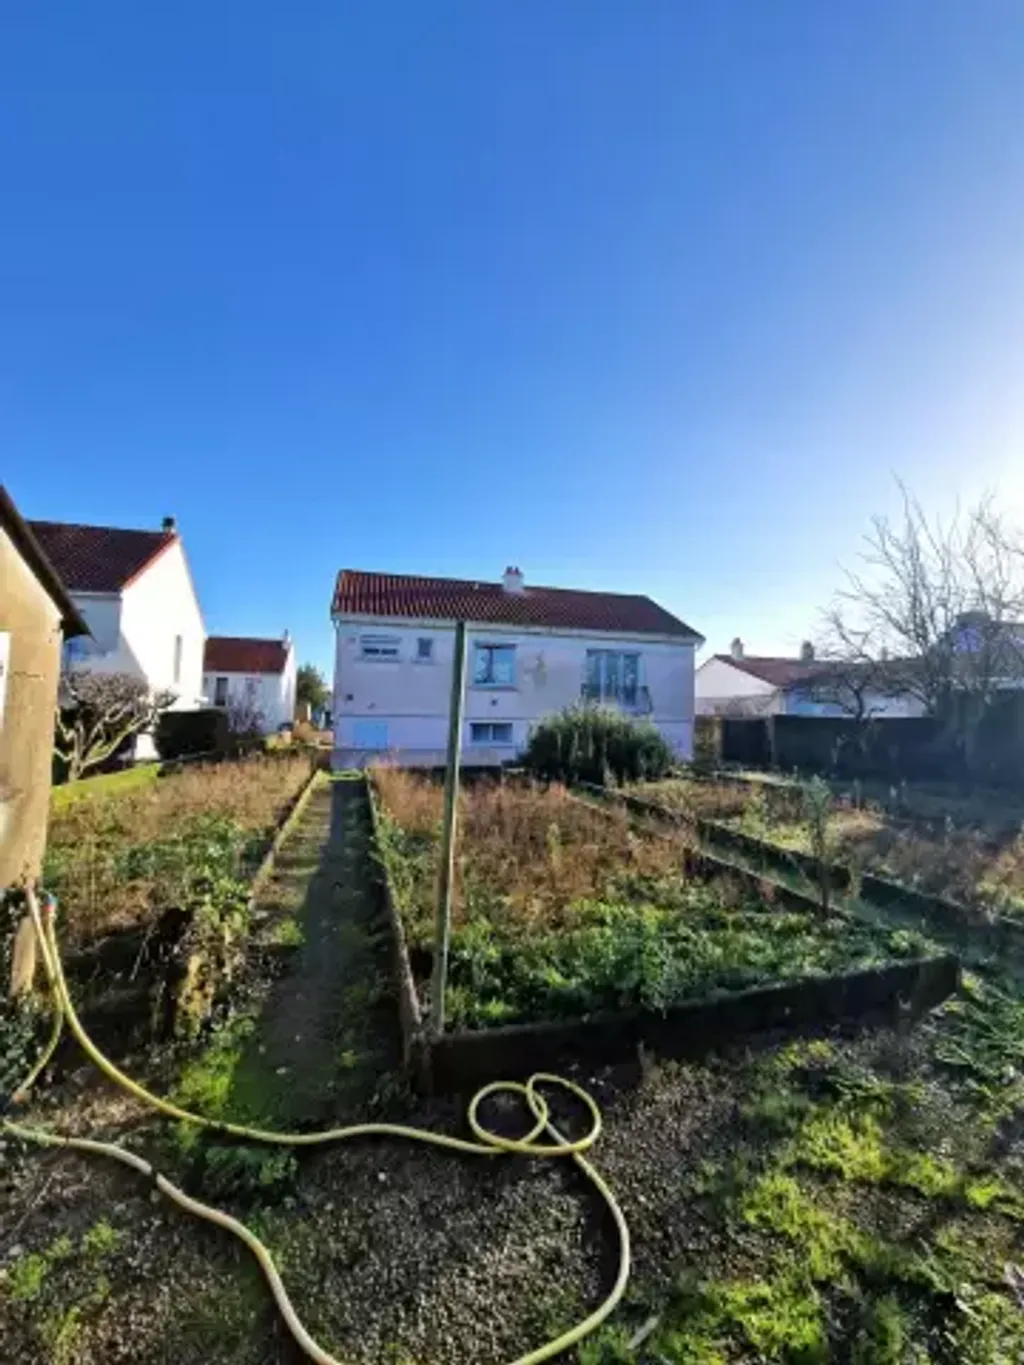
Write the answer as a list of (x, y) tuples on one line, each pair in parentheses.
[(245, 719), (849, 674), (97, 712), (935, 611)]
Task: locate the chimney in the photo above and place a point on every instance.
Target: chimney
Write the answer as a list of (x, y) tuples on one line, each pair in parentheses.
[(168, 524), (736, 648), (512, 580), (286, 639), (806, 652)]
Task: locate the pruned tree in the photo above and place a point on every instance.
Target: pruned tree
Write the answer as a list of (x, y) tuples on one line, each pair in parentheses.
[(935, 612), (245, 718), (98, 712), (311, 688)]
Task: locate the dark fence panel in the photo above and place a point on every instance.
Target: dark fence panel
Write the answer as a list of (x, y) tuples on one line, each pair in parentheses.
[(916, 749), (746, 742)]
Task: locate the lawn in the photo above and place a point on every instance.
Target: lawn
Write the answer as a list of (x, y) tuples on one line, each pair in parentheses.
[(118, 858), (968, 848), (562, 909)]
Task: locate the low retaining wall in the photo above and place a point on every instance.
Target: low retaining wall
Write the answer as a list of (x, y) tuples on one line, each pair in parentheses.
[(463, 1060), (703, 862), (409, 1016), (288, 823), (999, 935)]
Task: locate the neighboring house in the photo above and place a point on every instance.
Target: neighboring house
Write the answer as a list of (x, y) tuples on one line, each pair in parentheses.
[(531, 651), (136, 594), (739, 684), (36, 616), (254, 677)]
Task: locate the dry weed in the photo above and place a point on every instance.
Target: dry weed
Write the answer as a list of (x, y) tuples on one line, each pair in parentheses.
[(530, 851), (89, 838)]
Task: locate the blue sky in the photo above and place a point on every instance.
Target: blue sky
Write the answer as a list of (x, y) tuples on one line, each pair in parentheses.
[(651, 297)]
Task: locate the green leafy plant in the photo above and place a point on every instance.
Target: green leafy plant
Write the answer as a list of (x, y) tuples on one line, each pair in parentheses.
[(588, 743)]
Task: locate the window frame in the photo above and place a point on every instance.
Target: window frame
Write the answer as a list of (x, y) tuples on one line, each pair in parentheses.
[(424, 657), (491, 726), (220, 700), (491, 648), (376, 647), (604, 693)]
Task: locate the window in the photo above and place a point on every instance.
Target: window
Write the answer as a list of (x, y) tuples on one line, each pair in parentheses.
[(379, 646), (494, 666), (220, 691), (612, 676), (424, 649), (76, 650), (177, 658), (490, 732)]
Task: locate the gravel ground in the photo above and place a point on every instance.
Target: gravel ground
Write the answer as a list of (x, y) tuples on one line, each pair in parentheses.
[(393, 1251), (387, 1248)]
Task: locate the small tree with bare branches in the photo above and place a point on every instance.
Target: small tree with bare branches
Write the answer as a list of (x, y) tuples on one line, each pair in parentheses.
[(935, 613), (98, 712)]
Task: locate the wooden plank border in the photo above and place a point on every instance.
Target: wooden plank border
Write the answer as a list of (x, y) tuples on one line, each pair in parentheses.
[(1001, 936), (410, 1016), (287, 823), (466, 1059)]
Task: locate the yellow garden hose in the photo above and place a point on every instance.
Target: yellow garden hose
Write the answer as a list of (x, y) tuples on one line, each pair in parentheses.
[(488, 1144)]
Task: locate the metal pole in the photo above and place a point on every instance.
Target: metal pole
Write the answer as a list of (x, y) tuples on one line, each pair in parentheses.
[(443, 925)]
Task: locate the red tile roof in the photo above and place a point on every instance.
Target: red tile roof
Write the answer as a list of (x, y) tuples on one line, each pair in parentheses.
[(238, 654), (35, 557), (452, 599), (778, 672), (98, 558)]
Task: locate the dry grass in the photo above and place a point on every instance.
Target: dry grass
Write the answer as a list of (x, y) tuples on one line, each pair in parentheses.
[(88, 860), (531, 852), (978, 863)]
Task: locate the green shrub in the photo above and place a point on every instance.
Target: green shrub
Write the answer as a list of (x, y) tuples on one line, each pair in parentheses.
[(587, 743), (182, 734)]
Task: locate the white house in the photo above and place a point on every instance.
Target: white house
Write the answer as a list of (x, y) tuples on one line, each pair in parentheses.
[(252, 676), (531, 651), (741, 684), (135, 593)]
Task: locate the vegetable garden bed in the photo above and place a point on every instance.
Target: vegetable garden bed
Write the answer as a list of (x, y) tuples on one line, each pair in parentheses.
[(969, 852), (564, 914)]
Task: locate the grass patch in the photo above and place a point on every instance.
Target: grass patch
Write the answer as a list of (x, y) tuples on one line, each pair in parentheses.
[(55, 1294), (105, 784)]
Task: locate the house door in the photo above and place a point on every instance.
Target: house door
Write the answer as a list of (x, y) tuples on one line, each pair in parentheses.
[(370, 734)]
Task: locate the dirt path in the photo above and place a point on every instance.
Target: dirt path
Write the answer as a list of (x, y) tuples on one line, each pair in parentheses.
[(327, 1032)]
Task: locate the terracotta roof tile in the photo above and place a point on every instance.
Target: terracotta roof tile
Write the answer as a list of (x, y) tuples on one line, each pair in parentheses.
[(239, 654), (452, 599), (98, 558), (779, 672), (32, 552)]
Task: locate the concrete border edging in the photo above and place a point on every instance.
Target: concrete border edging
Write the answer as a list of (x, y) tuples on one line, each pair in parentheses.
[(694, 1027), (1001, 935), (288, 822), (409, 1014), (702, 860)]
